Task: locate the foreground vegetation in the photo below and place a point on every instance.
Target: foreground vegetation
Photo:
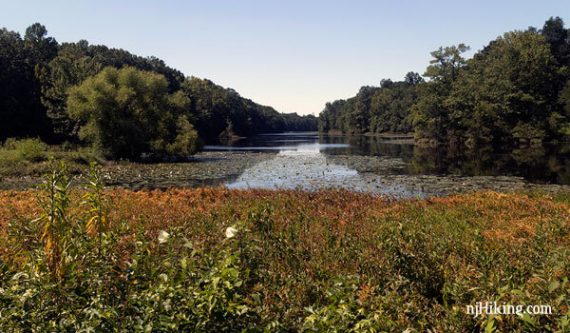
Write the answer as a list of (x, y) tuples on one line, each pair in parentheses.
[(91, 259), (515, 90)]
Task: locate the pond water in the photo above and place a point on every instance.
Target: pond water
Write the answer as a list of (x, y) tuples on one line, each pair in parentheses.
[(393, 167), (311, 161)]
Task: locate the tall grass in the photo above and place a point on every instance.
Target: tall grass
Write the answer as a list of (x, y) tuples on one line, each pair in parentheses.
[(97, 221), (215, 260)]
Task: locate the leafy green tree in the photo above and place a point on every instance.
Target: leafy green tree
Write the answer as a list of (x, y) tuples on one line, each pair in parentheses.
[(446, 63), (430, 114), (383, 109), (561, 121), (390, 106), (37, 73), (42, 48), (508, 91), (127, 112), (358, 118), (77, 61), (330, 117), (516, 89)]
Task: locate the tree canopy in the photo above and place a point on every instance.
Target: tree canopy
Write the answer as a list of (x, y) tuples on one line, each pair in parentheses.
[(383, 109), (38, 74), (127, 112), (516, 89)]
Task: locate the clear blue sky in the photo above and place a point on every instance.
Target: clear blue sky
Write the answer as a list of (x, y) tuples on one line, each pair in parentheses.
[(294, 55)]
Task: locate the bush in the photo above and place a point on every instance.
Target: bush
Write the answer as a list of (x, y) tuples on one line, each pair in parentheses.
[(128, 113), (33, 150)]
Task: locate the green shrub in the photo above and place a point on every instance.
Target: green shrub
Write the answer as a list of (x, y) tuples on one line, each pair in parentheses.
[(75, 280), (33, 150)]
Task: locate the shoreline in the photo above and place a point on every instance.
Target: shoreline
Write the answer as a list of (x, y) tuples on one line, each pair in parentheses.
[(377, 175)]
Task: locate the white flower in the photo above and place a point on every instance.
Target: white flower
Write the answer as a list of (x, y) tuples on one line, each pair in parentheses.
[(163, 236), (231, 232), (28, 293), (167, 305)]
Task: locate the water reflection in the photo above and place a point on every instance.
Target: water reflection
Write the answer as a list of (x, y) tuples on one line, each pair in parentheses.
[(550, 164), (304, 155), (307, 167)]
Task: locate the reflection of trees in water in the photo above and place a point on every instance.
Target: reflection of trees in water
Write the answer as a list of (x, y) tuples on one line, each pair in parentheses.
[(425, 161), (533, 163), (543, 164), (379, 146), (550, 164), (374, 146), (562, 169), (443, 160), (529, 155), (475, 162)]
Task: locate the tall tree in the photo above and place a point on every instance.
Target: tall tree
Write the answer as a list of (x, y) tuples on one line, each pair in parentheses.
[(21, 112), (508, 92), (430, 114), (70, 67), (128, 112), (557, 37), (446, 63)]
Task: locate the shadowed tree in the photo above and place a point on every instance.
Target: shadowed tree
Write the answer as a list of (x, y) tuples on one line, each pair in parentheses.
[(557, 36), (413, 78), (21, 112)]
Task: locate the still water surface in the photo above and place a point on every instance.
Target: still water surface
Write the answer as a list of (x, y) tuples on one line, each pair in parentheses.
[(308, 160)]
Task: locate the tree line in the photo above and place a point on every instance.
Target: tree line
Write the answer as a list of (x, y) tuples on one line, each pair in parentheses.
[(123, 104), (515, 90)]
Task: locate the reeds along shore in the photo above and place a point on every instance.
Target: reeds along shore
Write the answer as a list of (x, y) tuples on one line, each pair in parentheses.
[(222, 260)]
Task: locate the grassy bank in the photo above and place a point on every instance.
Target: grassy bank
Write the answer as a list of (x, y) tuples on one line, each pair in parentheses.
[(221, 260), (30, 157)]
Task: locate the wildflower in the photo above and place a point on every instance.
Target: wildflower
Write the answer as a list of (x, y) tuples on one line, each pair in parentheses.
[(166, 304), (163, 236), (28, 293), (231, 232)]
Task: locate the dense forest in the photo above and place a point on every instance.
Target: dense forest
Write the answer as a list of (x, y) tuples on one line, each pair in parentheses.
[(515, 90), (38, 73)]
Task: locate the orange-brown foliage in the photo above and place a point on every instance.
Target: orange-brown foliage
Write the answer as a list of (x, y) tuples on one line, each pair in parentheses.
[(504, 217)]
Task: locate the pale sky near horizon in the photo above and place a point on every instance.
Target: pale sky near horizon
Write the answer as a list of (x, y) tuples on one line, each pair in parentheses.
[(293, 55)]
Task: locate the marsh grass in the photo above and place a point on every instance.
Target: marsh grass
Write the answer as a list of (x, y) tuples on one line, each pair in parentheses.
[(299, 261)]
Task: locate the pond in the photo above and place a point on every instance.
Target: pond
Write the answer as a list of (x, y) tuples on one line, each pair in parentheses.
[(394, 167), (309, 161)]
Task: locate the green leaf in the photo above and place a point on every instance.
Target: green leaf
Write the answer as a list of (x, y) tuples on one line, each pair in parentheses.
[(553, 286)]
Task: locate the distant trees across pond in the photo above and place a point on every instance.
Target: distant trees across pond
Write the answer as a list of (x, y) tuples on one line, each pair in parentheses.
[(151, 107), (515, 90)]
